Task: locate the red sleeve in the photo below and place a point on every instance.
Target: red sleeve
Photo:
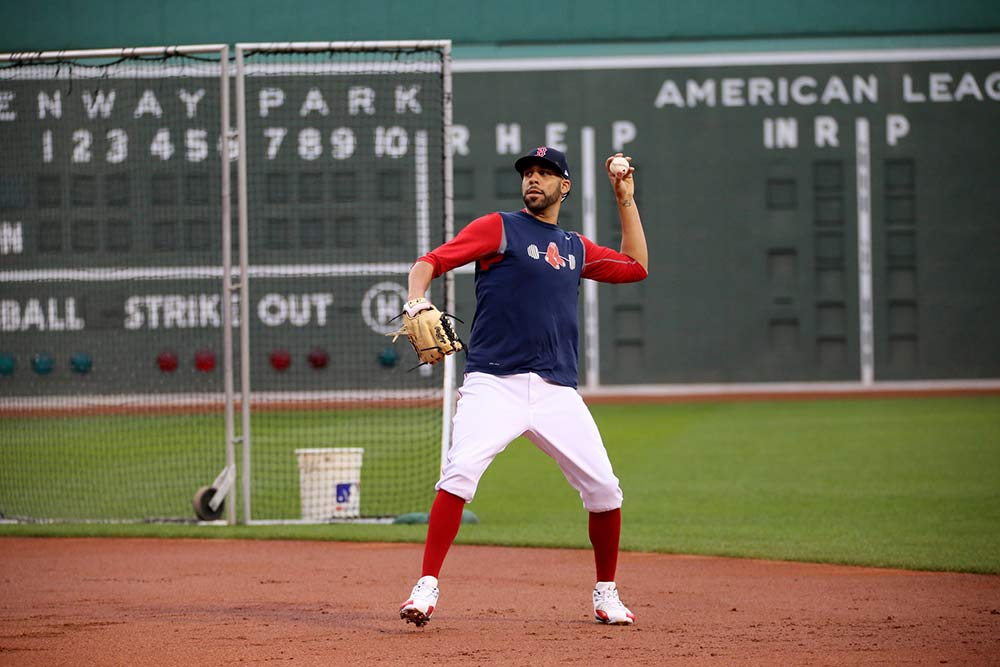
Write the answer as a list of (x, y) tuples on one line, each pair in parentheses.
[(479, 239), (609, 266)]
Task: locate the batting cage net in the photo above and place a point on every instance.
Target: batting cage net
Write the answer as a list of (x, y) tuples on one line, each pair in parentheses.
[(149, 282), (345, 185), (111, 307)]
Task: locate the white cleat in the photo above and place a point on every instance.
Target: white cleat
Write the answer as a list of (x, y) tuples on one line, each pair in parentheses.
[(420, 605), (608, 609)]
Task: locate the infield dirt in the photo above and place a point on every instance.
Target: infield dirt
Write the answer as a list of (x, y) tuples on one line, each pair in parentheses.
[(68, 601)]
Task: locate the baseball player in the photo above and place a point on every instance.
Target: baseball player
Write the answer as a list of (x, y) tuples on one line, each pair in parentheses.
[(521, 369)]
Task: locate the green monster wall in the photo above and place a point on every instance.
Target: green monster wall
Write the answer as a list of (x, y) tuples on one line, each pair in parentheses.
[(753, 171), (751, 193), (587, 24)]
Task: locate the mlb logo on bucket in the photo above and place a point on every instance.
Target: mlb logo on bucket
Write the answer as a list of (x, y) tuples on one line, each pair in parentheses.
[(344, 493)]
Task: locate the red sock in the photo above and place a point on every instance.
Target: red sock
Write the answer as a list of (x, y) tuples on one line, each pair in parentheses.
[(442, 527), (605, 531)]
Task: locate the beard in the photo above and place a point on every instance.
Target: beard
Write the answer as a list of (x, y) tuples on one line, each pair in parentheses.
[(541, 202)]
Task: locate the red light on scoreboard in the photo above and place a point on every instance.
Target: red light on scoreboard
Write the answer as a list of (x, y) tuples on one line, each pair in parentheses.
[(280, 360), (204, 361), (318, 358), (167, 361)]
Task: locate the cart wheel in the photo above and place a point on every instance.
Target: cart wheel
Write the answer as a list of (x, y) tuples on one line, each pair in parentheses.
[(201, 507)]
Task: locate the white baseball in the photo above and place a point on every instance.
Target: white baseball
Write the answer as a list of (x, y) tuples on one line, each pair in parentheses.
[(619, 165)]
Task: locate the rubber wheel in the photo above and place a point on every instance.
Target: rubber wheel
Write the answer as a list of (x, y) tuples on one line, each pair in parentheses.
[(201, 507)]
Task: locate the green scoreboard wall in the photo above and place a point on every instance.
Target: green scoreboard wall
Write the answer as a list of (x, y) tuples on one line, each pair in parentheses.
[(111, 210), (748, 180), (810, 216)]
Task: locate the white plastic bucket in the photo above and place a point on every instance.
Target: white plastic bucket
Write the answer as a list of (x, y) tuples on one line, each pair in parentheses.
[(330, 482)]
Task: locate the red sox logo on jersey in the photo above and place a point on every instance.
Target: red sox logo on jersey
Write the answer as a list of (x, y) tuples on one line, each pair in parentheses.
[(552, 256)]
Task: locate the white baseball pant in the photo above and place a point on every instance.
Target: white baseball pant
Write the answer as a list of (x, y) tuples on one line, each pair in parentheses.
[(493, 410)]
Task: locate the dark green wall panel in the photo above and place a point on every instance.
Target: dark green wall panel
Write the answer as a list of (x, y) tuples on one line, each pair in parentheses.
[(62, 24), (747, 182), (753, 232)]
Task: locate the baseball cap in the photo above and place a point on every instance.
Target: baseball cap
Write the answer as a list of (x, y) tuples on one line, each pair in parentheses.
[(546, 155)]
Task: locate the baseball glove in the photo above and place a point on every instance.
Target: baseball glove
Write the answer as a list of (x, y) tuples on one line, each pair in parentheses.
[(430, 331)]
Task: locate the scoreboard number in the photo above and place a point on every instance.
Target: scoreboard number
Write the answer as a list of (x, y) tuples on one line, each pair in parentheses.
[(391, 142)]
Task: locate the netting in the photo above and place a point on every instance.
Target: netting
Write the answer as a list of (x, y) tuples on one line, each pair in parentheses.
[(345, 164), (110, 271), (112, 307)]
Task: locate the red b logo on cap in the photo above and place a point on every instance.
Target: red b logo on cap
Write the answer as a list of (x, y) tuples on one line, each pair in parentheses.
[(540, 151)]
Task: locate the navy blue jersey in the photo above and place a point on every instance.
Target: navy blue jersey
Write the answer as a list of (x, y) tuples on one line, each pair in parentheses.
[(527, 287), (526, 305)]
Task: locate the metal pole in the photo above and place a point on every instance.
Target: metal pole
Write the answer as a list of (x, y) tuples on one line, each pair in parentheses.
[(591, 310), (402, 45), (866, 308), (448, 400), (227, 273), (131, 52), (241, 131)]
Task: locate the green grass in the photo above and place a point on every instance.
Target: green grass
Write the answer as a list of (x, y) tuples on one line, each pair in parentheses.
[(59, 467), (911, 483), (142, 467)]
